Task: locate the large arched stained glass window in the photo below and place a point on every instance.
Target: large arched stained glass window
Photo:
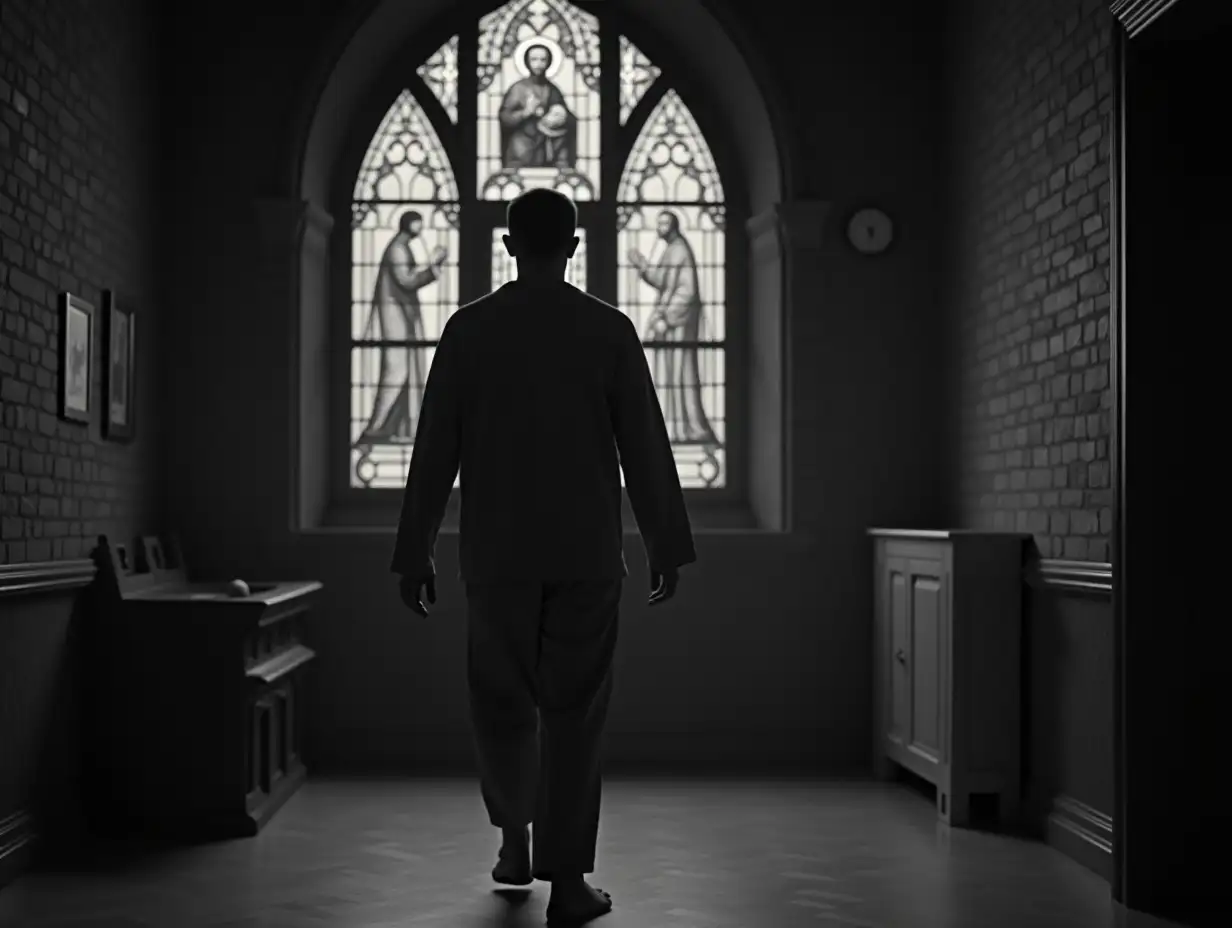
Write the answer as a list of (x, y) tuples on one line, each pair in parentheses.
[(537, 93)]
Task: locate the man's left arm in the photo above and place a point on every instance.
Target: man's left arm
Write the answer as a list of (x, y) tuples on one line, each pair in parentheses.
[(434, 464)]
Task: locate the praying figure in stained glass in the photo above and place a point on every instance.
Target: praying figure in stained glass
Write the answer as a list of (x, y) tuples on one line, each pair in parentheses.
[(676, 317), (537, 128), (395, 316)]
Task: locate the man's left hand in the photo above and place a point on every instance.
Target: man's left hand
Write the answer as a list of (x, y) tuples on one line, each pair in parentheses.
[(409, 586)]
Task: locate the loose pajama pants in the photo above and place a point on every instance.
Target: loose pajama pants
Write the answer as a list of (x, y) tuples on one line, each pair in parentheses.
[(539, 667)]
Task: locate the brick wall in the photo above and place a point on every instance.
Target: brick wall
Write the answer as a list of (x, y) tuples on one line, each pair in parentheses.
[(1031, 100), (76, 176)]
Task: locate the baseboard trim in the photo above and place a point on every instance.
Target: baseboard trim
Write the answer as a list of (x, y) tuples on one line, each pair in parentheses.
[(1089, 577), (45, 576), (1081, 833), (17, 838)]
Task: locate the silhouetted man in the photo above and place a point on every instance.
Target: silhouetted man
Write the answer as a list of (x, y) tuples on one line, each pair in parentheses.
[(533, 391)]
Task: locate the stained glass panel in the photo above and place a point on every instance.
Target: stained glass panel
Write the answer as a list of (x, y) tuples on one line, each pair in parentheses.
[(691, 384), (686, 245), (505, 268), (539, 118), (404, 285), (671, 283), (379, 466), (393, 243), (440, 73), (405, 243), (636, 75), (538, 101), (406, 161), (670, 162)]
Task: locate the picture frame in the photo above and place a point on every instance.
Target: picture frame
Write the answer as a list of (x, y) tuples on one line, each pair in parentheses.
[(76, 394), (120, 341)]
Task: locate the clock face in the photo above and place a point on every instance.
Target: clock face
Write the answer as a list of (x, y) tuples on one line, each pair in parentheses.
[(870, 231)]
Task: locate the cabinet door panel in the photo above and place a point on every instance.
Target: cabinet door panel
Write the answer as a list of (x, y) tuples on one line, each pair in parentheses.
[(926, 660), (897, 671)]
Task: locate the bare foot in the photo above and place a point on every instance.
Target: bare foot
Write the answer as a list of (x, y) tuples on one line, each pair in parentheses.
[(574, 902), (513, 863)]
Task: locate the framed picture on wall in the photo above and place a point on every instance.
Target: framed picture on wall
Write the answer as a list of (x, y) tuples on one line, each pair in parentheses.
[(121, 342), (76, 358)]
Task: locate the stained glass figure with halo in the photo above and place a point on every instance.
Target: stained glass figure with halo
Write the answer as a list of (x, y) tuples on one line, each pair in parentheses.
[(537, 128), (538, 101)]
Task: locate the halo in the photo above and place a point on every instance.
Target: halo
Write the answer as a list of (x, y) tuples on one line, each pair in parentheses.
[(519, 55)]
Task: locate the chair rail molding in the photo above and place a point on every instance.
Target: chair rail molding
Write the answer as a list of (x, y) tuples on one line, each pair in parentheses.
[(1091, 577), (45, 576)]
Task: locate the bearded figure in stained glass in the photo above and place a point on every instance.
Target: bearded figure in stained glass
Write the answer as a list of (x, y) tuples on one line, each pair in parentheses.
[(395, 316), (676, 317), (537, 128)]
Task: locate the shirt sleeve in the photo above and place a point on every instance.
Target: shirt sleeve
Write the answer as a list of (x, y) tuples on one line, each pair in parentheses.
[(646, 458), (434, 463)]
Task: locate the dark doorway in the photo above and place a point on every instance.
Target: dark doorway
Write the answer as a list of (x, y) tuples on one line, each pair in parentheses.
[(1172, 209)]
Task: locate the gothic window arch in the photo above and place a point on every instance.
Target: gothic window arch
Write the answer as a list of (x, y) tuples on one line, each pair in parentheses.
[(537, 93)]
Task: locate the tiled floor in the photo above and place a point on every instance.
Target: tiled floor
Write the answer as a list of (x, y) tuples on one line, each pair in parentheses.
[(417, 854)]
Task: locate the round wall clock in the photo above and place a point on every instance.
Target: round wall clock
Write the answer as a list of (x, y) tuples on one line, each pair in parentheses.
[(870, 231)]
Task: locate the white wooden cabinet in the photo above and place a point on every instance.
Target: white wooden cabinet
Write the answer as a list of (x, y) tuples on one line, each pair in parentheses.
[(947, 678)]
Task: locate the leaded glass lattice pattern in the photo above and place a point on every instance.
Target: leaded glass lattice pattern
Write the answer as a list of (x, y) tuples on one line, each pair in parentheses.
[(406, 161), (538, 100), (440, 73), (637, 73), (670, 162), (505, 268)]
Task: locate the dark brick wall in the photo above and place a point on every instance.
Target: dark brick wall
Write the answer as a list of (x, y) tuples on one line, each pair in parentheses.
[(1031, 101), (77, 162)]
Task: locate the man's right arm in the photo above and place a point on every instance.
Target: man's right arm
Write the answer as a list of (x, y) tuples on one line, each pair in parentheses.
[(647, 460)]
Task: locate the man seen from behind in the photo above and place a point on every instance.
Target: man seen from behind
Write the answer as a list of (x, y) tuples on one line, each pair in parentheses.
[(540, 395)]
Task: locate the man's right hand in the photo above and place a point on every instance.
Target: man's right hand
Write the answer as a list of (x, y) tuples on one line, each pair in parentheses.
[(663, 585)]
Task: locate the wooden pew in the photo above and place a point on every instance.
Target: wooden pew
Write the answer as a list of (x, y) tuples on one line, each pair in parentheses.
[(194, 697)]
